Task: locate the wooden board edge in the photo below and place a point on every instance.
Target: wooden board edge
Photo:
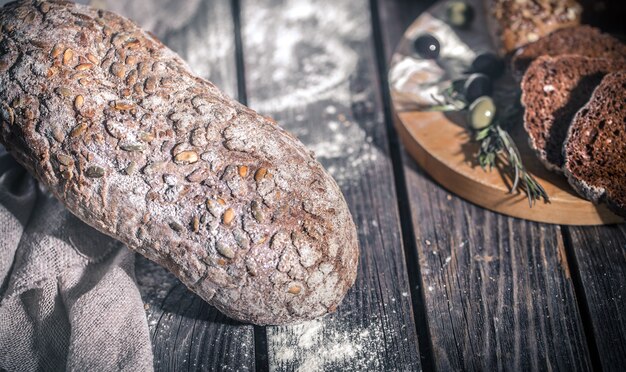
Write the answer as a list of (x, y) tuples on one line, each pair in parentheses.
[(514, 205)]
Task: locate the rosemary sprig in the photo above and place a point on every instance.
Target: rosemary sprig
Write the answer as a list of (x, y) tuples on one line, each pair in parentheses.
[(496, 144)]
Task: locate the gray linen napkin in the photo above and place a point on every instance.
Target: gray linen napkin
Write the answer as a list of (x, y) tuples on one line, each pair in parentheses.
[(68, 296)]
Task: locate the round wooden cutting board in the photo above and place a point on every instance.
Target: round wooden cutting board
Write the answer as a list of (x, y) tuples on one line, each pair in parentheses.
[(441, 145)]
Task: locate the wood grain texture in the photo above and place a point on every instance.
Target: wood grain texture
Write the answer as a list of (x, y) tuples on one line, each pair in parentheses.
[(187, 333), (497, 290), (314, 70), (600, 257)]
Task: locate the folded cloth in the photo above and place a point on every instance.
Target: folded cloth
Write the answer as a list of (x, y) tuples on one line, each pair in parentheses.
[(68, 295)]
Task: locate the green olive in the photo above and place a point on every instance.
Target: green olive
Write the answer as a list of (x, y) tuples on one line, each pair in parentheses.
[(482, 112)]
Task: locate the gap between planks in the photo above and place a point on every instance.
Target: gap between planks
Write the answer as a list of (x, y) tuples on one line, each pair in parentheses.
[(408, 234), (581, 298)]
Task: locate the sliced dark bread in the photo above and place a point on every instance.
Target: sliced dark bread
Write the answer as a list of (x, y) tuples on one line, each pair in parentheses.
[(595, 149), (514, 23), (582, 40), (553, 90)]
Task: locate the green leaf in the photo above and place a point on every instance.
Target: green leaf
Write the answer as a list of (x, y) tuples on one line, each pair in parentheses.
[(483, 133)]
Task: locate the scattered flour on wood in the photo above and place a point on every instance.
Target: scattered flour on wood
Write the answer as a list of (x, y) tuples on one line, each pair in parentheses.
[(306, 55), (318, 345), (160, 17), (304, 50), (343, 147)]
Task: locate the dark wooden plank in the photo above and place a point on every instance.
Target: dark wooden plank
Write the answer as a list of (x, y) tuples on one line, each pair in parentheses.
[(312, 66), (599, 254), (187, 333), (497, 291)]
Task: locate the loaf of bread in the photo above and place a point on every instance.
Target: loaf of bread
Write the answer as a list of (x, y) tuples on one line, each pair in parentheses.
[(595, 149), (514, 23), (137, 146), (553, 90), (581, 40)]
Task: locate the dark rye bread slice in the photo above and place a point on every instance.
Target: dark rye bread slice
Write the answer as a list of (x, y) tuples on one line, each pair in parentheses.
[(595, 150), (553, 90), (120, 130), (514, 23), (581, 40)]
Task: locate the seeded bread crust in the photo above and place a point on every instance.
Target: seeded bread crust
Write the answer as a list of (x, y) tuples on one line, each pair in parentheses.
[(553, 90), (582, 40), (595, 150), (137, 146), (514, 23)]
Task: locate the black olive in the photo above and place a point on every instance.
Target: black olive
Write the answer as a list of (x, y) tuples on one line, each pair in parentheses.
[(477, 85), (427, 46), (489, 64), (459, 14)]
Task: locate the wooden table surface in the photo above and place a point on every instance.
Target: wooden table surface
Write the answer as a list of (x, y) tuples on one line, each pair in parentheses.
[(442, 284)]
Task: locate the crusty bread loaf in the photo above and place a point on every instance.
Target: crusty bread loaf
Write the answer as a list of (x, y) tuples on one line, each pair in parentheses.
[(595, 150), (581, 40), (120, 130), (514, 23), (553, 90)]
